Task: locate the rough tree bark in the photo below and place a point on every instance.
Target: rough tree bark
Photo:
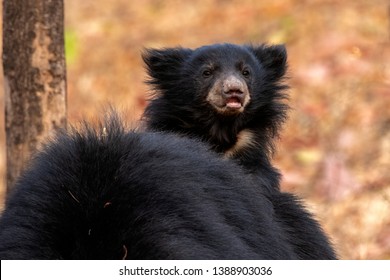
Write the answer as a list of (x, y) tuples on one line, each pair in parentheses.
[(34, 77)]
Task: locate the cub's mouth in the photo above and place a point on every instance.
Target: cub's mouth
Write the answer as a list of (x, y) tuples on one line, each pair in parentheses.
[(234, 102), (229, 96), (228, 103)]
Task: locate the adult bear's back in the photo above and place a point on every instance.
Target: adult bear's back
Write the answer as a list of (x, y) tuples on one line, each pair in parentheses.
[(108, 193)]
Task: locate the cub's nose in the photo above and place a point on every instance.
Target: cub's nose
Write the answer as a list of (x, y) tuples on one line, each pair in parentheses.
[(232, 85), (234, 92)]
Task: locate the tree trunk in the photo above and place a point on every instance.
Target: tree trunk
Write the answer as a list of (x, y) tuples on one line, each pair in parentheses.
[(34, 77)]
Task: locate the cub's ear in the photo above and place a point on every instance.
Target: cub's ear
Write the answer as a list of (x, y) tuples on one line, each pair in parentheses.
[(273, 58), (163, 66)]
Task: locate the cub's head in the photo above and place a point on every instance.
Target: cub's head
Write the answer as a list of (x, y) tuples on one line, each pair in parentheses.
[(226, 79)]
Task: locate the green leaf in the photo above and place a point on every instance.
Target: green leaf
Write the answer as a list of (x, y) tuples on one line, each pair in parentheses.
[(71, 46)]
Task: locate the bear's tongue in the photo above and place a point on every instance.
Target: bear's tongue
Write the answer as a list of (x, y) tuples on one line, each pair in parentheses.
[(233, 103)]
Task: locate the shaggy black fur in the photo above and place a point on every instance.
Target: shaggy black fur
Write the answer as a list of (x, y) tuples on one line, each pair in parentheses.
[(233, 98), (112, 194)]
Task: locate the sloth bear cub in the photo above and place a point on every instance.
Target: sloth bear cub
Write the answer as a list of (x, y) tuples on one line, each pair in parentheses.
[(227, 95), (233, 98), (109, 193)]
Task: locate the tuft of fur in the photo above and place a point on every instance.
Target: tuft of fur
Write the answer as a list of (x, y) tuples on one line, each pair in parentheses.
[(111, 193), (181, 104)]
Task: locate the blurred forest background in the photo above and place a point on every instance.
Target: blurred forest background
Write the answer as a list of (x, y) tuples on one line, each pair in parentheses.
[(335, 148)]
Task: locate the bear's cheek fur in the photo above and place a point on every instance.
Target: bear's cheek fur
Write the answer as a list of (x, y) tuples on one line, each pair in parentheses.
[(225, 102)]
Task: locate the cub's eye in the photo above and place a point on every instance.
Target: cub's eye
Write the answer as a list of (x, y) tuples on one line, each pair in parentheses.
[(207, 73), (246, 73)]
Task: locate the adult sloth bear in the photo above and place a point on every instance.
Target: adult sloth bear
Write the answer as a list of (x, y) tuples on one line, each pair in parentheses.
[(232, 97), (108, 193)]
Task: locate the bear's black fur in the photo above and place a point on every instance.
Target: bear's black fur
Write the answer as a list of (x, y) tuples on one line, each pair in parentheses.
[(108, 193), (233, 98)]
